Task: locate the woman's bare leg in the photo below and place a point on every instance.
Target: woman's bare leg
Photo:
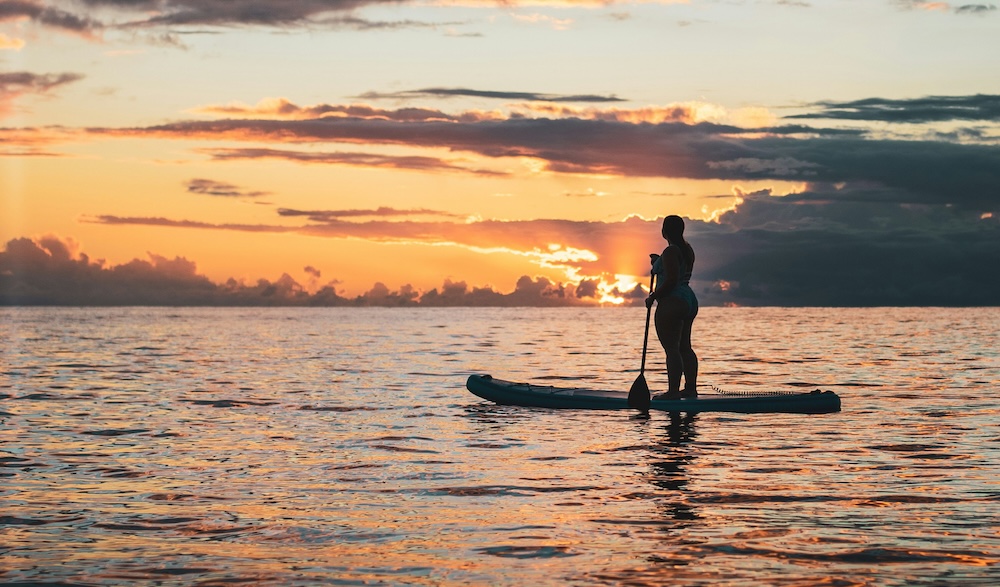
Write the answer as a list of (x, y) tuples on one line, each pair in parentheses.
[(689, 359), (670, 328)]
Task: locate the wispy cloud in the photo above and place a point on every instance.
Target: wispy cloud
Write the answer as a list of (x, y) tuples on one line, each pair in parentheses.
[(355, 159), (978, 9), (210, 187), (49, 15), (381, 212), (559, 24), (979, 107), (16, 84), (491, 94), (937, 6), (281, 108), (35, 141)]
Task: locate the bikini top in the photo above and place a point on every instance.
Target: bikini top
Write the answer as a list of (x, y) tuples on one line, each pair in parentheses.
[(683, 276)]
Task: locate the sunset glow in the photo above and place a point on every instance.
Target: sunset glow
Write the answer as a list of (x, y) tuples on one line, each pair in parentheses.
[(410, 144)]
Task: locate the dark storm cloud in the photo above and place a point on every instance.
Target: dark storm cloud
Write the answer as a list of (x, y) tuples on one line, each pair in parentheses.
[(497, 95), (210, 187), (921, 171), (980, 107), (775, 251)]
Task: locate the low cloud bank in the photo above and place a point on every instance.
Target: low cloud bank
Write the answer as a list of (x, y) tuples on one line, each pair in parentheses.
[(47, 272), (818, 248)]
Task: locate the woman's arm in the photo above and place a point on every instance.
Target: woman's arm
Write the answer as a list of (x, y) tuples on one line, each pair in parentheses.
[(671, 263)]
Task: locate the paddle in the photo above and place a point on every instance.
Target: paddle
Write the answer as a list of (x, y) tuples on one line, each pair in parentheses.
[(638, 395)]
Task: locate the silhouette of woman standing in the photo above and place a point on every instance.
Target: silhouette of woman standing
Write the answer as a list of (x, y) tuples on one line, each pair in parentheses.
[(676, 309)]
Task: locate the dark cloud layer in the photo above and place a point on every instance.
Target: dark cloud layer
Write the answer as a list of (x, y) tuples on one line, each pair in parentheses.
[(914, 171), (980, 107)]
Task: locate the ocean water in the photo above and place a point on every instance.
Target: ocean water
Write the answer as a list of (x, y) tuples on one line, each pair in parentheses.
[(286, 447)]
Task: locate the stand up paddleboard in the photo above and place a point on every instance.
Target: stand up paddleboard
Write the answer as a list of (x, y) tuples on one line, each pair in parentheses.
[(509, 393)]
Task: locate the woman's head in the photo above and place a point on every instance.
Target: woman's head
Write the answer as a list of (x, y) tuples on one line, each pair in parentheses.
[(673, 229)]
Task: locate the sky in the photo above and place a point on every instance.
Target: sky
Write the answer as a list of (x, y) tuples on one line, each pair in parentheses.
[(523, 152)]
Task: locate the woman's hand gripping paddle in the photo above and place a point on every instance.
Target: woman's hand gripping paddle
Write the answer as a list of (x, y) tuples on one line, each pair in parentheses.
[(638, 395)]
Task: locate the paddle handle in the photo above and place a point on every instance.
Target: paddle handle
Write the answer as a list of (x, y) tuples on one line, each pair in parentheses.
[(645, 337)]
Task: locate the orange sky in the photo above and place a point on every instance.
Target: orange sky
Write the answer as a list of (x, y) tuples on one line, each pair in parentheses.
[(349, 143)]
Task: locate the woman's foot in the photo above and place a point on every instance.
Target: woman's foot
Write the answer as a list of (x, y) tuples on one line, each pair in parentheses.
[(689, 393), (668, 395)]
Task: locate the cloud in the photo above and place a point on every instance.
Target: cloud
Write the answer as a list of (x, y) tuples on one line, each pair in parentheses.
[(979, 9), (232, 12), (922, 171), (285, 14), (50, 271), (559, 24), (16, 84), (851, 251), (49, 16), (169, 15), (404, 162), (11, 43), (829, 245), (979, 107), (495, 95), (210, 187), (688, 112), (381, 212), (33, 142), (280, 108), (934, 6), (167, 222)]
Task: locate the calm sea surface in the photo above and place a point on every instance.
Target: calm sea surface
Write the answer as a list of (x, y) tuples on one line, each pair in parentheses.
[(339, 447)]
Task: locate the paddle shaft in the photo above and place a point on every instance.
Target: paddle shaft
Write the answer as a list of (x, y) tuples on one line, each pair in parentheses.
[(645, 337)]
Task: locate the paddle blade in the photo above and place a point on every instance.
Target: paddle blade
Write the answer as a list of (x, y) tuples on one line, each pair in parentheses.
[(638, 395)]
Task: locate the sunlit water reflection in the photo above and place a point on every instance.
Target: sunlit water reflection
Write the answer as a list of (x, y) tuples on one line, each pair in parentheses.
[(339, 446)]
